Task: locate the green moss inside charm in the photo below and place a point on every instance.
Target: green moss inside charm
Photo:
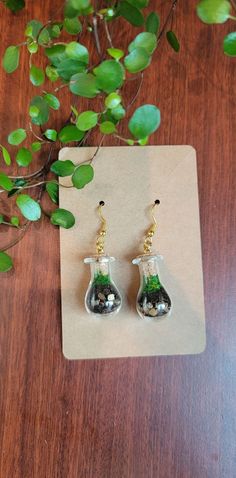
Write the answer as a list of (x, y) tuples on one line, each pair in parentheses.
[(101, 279), (153, 300), (151, 283)]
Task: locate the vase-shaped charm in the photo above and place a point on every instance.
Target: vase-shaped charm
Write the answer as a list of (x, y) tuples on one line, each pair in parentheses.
[(102, 297), (152, 299)]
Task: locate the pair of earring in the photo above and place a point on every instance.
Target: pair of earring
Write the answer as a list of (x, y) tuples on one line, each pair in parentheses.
[(103, 296)]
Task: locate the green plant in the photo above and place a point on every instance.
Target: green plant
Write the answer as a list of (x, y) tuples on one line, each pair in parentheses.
[(151, 283), (69, 67), (101, 279), (219, 11), (14, 5)]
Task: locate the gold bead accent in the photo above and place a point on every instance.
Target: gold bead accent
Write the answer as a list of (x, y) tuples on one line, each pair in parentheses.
[(102, 232), (147, 246)]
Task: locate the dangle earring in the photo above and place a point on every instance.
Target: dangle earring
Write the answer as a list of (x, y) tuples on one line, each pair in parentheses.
[(152, 299), (102, 296)]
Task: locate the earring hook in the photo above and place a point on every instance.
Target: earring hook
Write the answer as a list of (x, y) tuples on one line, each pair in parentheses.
[(102, 231), (147, 245)]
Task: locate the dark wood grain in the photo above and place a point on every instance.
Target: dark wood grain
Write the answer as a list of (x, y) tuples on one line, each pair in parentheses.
[(161, 417)]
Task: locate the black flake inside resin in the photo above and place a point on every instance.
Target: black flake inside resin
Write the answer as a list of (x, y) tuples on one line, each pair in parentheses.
[(153, 300), (103, 297)]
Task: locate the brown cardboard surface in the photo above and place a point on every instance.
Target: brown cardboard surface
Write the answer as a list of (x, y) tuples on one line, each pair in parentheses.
[(129, 179)]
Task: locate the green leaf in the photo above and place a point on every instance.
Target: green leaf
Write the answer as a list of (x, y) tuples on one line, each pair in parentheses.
[(6, 156), (107, 116), (6, 263), (87, 120), (112, 100), (145, 40), (83, 175), (24, 157), (78, 6), (36, 75), (55, 30), (115, 53), (229, 44), (16, 137), (36, 146), (29, 208), (17, 183), (52, 101), (131, 14), (33, 111), (107, 127), (44, 37), (32, 47), (130, 142), (69, 10), (145, 120), (68, 67), (15, 221), (15, 5), (173, 41), (11, 59), (143, 141), (76, 51), (139, 3), (52, 190), (33, 28), (70, 133), (153, 23), (51, 134), (84, 84), (43, 114), (110, 75), (63, 168), (72, 25), (118, 113), (5, 182), (56, 54), (214, 11), (51, 73), (137, 60), (1, 218), (75, 111), (63, 218)]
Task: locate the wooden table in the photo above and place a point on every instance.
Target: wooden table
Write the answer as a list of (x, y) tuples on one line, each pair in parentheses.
[(160, 417)]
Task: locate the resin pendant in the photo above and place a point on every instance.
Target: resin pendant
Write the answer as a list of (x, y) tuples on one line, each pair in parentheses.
[(102, 297), (152, 299)]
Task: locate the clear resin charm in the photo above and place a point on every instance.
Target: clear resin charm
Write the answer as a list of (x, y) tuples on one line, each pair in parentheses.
[(102, 297), (152, 299)]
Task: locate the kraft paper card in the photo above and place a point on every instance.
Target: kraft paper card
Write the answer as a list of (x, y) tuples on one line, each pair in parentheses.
[(129, 179)]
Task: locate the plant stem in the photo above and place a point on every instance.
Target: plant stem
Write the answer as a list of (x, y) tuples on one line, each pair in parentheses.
[(34, 134), (6, 223), (108, 33), (233, 3), (60, 87), (24, 229), (137, 92), (97, 150), (96, 37), (39, 172), (172, 8)]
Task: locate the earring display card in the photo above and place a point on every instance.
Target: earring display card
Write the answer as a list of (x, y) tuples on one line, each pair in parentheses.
[(129, 179)]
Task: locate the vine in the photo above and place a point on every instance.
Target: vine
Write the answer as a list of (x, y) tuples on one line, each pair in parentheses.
[(69, 67)]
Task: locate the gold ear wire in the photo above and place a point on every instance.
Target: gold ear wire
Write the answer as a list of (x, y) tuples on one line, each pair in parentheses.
[(102, 231), (147, 246)]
